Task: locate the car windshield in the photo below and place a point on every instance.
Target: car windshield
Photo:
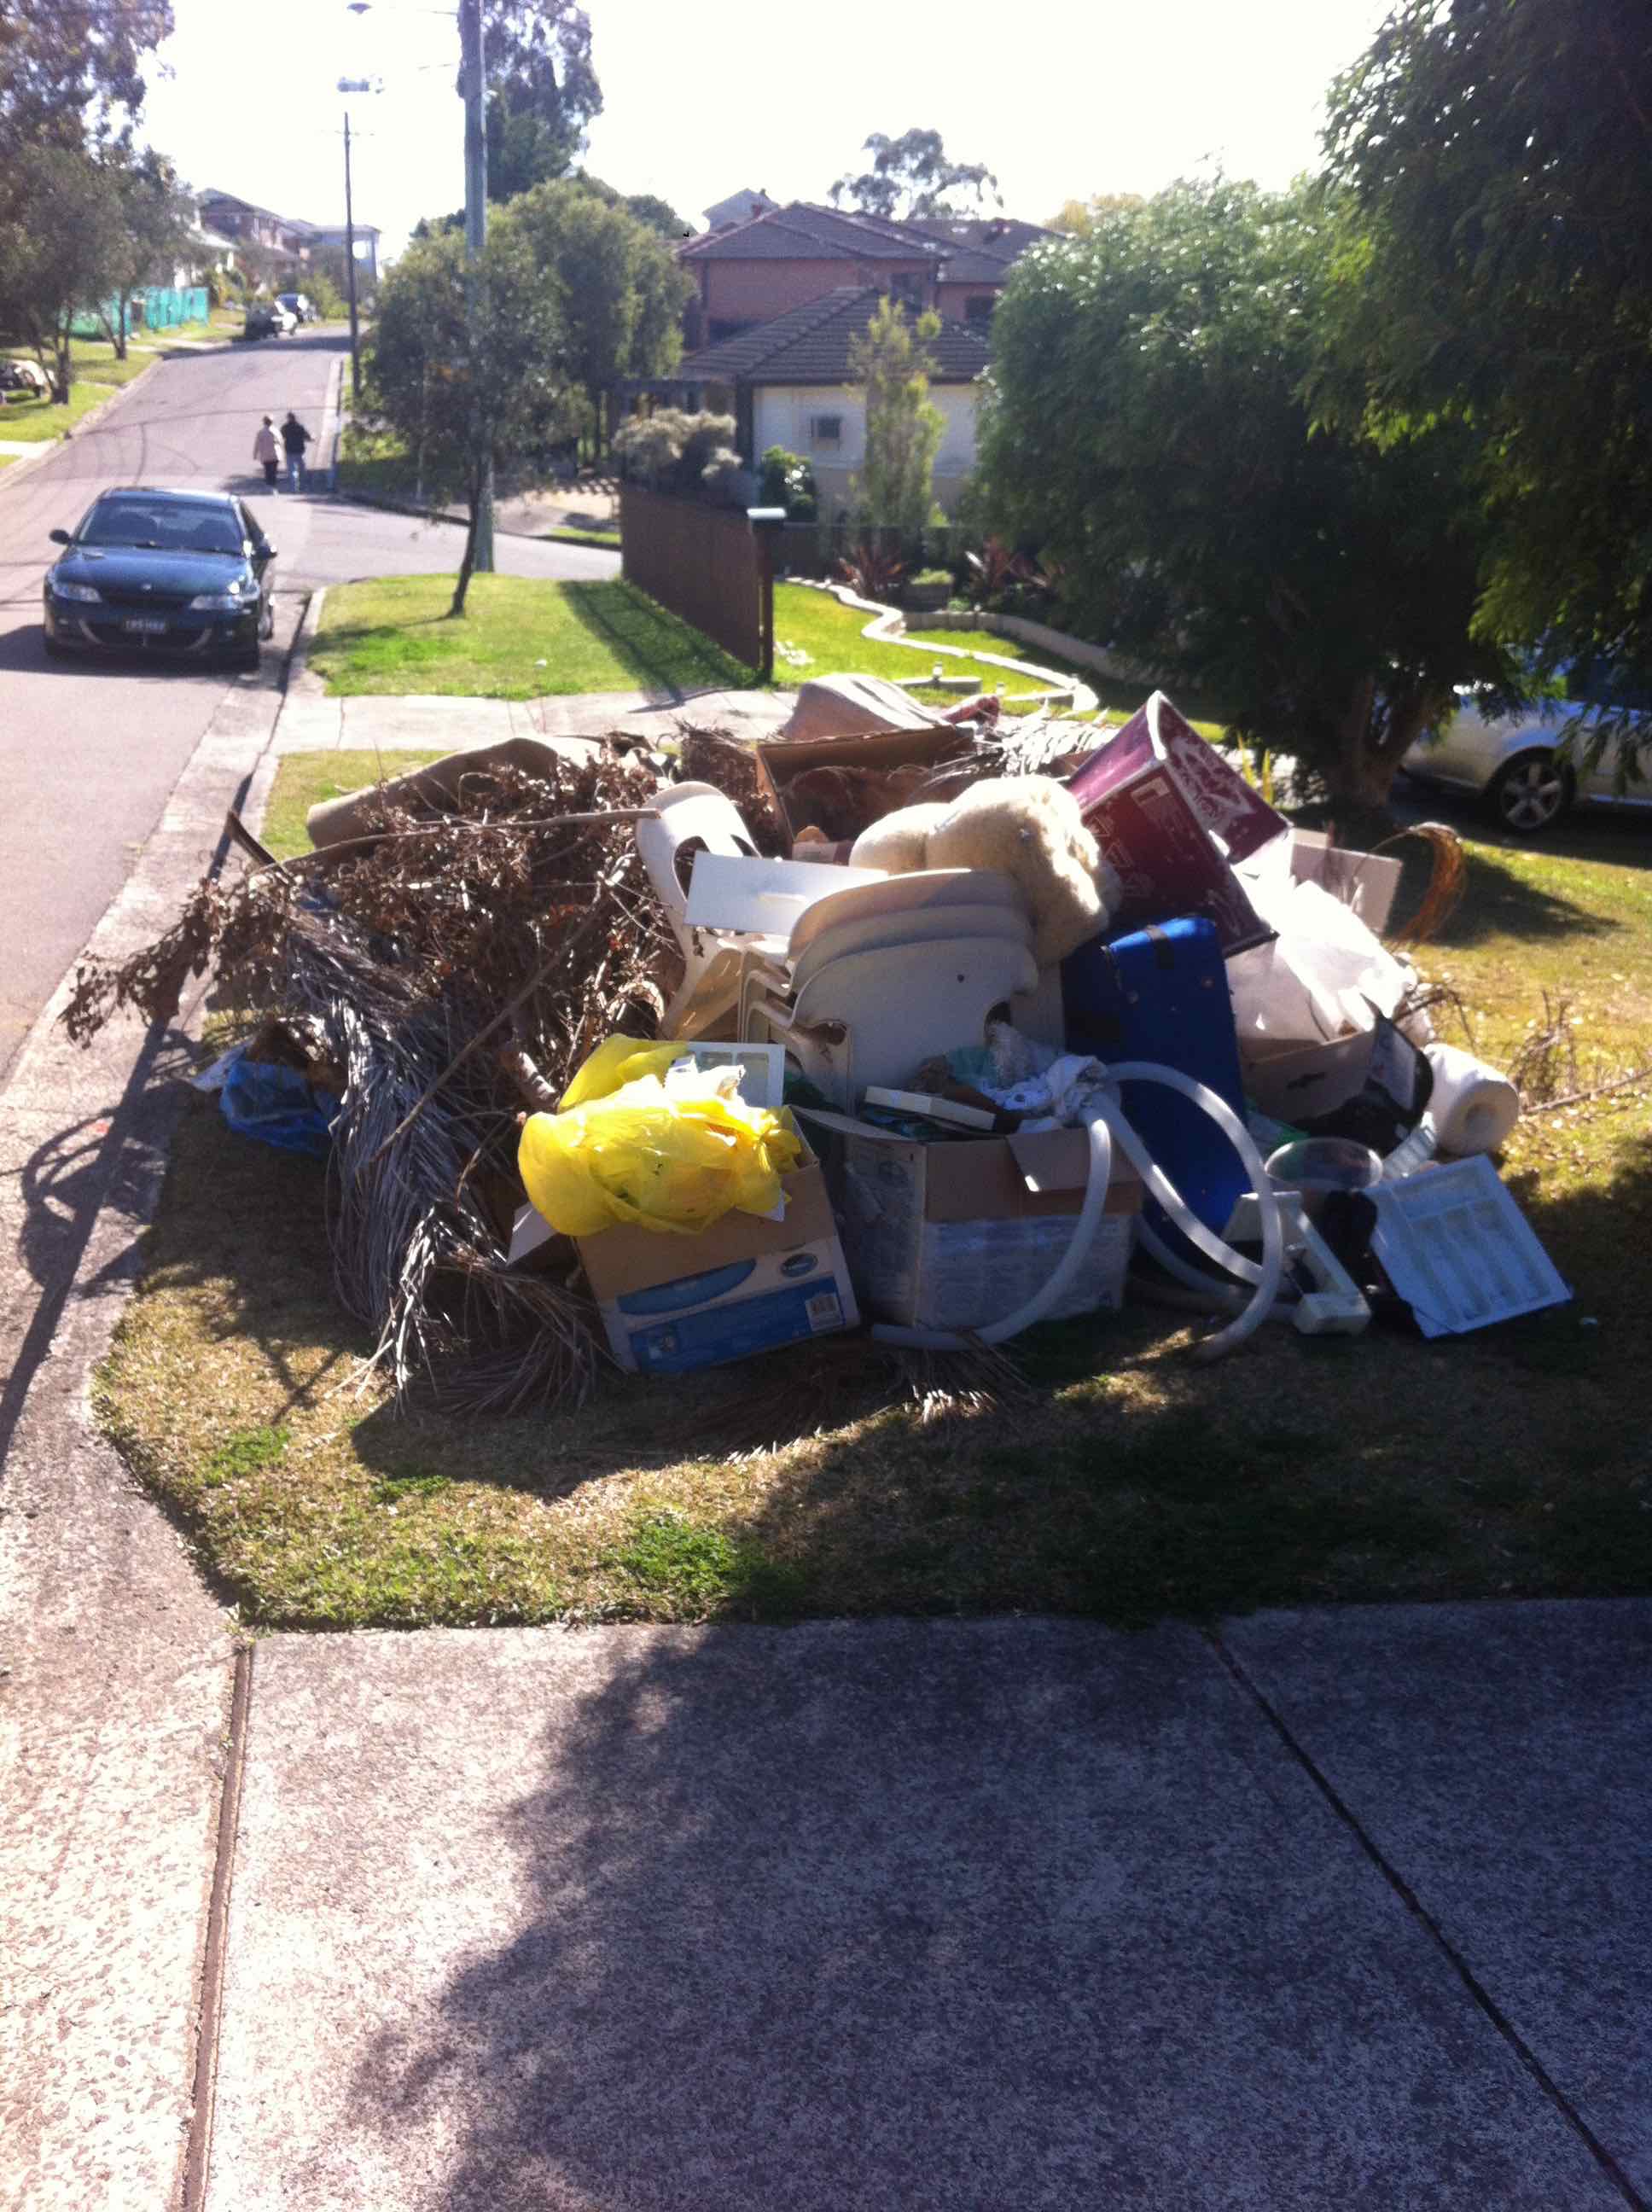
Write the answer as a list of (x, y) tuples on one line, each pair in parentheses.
[(157, 526)]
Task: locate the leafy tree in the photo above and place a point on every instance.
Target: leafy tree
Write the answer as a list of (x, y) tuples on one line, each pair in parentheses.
[(619, 291), (653, 213), (462, 389), (903, 424), (1499, 158), (156, 219), (61, 239), (1147, 428), (543, 91), (1077, 216), (911, 175), (64, 69)]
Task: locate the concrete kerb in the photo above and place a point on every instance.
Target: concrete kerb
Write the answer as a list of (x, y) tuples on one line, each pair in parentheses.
[(118, 1662), (888, 625), (88, 421)]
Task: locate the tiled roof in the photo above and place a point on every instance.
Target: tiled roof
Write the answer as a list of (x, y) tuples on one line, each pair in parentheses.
[(801, 231), (982, 249), (811, 346)]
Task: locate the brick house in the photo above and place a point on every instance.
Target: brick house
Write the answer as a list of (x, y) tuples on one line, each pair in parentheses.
[(254, 225), (749, 272), (787, 382)]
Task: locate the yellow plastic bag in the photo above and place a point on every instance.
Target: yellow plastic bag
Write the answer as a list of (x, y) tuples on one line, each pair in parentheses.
[(617, 1061), (672, 1155)]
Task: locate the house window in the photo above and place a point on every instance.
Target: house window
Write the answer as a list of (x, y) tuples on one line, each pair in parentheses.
[(906, 285), (825, 429), (980, 309)]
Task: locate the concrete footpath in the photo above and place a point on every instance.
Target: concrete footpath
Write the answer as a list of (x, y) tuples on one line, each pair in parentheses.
[(1323, 1909), (1333, 1910)]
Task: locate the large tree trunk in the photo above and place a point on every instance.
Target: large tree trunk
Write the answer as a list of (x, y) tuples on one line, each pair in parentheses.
[(1360, 770), (62, 368)]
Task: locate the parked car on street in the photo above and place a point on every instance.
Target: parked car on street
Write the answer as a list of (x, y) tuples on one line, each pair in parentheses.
[(267, 318), (299, 306), (186, 572), (1519, 766)]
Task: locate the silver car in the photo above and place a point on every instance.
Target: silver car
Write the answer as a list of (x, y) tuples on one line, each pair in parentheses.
[(1517, 766)]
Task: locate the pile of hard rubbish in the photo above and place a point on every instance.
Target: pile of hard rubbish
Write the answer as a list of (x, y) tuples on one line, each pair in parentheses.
[(937, 1025)]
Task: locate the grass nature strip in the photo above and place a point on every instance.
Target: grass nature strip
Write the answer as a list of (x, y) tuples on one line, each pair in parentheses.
[(1126, 1484)]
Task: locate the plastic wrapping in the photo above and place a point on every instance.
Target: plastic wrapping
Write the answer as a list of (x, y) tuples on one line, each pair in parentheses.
[(672, 1152)]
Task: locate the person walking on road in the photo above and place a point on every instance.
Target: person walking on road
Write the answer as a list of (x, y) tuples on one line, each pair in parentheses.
[(266, 449), (294, 437)]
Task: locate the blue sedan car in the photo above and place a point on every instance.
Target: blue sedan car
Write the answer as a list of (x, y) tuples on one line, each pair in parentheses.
[(187, 574)]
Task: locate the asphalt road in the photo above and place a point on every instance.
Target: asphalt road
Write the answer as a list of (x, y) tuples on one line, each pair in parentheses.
[(89, 752)]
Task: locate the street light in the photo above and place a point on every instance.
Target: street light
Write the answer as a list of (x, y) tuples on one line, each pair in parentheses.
[(348, 84), (473, 86)]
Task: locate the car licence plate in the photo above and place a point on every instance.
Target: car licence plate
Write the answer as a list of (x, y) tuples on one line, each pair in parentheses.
[(150, 625)]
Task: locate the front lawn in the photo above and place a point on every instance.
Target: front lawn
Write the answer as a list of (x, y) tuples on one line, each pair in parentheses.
[(520, 638), (1121, 1481), (525, 637), (34, 420), (816, 635)]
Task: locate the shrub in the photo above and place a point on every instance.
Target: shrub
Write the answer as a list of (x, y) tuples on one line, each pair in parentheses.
[(870, 572), (669, 451), (788, 481)]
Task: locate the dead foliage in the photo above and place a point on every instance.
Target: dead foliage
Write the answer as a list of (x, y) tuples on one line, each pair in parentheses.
[(455, 967)]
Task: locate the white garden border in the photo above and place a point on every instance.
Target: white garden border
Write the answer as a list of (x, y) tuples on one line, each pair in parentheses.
[(889, 627)]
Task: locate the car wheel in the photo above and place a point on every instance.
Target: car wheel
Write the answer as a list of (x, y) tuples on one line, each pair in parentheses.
[(1529, 793)]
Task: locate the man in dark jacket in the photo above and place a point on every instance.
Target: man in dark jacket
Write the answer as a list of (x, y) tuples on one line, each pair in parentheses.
[(295, 438)]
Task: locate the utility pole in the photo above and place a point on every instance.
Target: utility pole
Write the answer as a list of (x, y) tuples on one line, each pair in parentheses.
[(473, 81), (350, 271)]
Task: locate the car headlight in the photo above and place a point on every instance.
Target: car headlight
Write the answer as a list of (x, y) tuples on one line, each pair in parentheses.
[(83, 595), (217, 603)]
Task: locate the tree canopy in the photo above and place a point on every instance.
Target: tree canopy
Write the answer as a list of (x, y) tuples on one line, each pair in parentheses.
[(461, 388), (912, 175), (1147, 429), (64, 70), (543, 91), (619, 293), (156, 222), (1498, 159)]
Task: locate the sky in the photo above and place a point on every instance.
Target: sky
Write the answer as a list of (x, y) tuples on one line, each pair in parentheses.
[(1060, 98)]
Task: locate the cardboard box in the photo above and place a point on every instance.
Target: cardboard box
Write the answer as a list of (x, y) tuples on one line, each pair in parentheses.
[(1366, 881), (955, 1235), (1157, 798), (673, 1303), (1297, 1083), (901, 759)]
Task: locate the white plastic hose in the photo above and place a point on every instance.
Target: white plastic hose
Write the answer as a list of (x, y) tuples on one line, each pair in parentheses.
[(1077, 1251), (1110, 1123), (1266, 1277)]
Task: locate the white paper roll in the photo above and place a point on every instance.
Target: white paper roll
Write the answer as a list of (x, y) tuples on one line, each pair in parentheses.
[(1472, 1106)]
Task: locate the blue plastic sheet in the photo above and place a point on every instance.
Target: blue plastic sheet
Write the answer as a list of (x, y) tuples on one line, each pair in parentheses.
[(278, 1107)]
